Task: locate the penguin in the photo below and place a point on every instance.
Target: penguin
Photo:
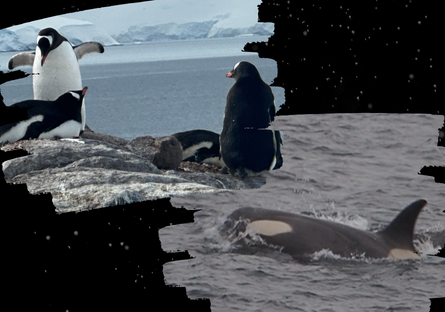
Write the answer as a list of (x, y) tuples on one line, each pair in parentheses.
[(55, 66), (61, 118), (246, 146), (201, 146)]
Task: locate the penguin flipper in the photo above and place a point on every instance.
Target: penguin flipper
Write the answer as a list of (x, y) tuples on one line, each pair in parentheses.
[(35, 129), (87, 48), (21, 59)]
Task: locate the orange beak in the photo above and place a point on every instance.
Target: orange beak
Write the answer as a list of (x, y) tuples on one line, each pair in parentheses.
[(43, 59)]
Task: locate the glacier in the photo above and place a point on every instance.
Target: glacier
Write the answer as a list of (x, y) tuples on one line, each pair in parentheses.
[(143, 22), (23, 37), (192, 30)]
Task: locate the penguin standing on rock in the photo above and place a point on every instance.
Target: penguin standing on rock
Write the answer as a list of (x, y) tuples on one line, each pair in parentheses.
[(246, 146), (54, 64), (61, 118)]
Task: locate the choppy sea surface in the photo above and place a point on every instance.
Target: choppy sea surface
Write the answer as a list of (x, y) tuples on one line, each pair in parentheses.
[(356, 169), (360, 170)]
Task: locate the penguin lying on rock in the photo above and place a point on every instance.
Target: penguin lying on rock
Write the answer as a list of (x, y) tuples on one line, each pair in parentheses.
[(44, 119), (246, 146), (201, 146), (54, 65)]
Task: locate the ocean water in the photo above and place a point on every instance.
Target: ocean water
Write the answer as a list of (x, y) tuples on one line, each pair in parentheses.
[(360, 170), (156, 88)]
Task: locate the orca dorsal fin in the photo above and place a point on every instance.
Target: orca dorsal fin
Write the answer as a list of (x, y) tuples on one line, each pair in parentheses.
[(400, 231), (87, 48), (21, 59)]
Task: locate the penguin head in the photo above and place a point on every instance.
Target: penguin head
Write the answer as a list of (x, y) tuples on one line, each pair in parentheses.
[(79, 94), (243, 69), (47, 40), (75, 95)]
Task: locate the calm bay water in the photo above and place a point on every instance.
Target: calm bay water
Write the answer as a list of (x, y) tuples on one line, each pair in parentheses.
[(156, 88)]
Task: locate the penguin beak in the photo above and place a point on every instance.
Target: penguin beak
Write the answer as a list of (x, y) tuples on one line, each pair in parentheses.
[(229, 75), (84, 90), (43, 59)]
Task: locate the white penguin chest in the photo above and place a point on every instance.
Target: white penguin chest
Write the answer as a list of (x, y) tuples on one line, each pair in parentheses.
[(59, 74)]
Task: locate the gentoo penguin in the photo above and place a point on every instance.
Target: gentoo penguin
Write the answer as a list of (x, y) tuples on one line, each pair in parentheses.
[(45, 119), (246, 146), (54, 65), (201, 146)]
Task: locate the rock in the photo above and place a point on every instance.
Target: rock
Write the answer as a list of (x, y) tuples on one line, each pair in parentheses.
[(90, 134), (100, 170), (164, 152), (59, 153), (189, 166)]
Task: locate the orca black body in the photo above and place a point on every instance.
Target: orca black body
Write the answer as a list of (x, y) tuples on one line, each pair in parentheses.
[(301, 236)]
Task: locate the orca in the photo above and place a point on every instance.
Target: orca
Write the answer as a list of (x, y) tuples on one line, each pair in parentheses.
[(301, 236)]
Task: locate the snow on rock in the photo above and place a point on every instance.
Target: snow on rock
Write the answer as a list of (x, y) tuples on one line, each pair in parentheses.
[(23, 37)]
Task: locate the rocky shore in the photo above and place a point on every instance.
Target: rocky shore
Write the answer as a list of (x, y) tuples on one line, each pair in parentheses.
[(100, 170)]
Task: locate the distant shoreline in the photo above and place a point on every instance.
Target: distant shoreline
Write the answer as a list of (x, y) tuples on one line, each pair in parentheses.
[(162, 50)]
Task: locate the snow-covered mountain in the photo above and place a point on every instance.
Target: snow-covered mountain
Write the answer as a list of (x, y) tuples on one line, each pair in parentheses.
[(146, 21), (23, 37)]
